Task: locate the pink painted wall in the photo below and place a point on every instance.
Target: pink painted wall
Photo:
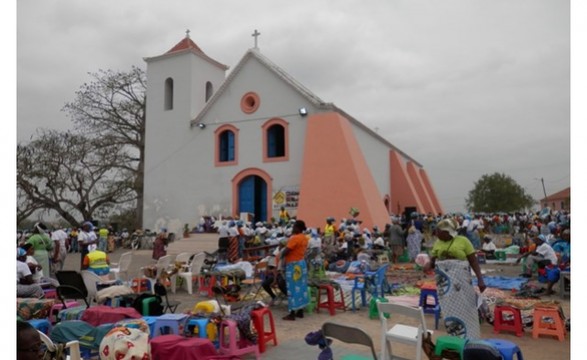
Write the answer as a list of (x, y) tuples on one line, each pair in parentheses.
[(420, 189), (335, 175), (402, 190), (426, 181)]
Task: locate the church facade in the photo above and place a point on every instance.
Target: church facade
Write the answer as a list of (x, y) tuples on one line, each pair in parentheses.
[(247, 144)]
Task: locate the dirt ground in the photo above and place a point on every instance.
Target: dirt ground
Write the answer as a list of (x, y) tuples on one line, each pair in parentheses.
[(291, 333)]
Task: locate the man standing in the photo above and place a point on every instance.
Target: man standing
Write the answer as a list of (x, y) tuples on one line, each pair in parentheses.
[(97, 261), (59, 238), (396, 240), (86, 237)]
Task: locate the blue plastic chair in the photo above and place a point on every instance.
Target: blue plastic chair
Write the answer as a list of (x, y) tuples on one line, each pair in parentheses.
[(373, 281)]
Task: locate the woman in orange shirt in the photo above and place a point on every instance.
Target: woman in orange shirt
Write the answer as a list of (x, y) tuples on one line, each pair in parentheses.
[(296, 272)]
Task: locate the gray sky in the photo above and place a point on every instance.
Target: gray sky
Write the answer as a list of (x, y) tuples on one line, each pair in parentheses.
[(465, 87)]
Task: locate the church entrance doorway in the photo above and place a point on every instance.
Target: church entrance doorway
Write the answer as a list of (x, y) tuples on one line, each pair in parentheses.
[(252, 197)]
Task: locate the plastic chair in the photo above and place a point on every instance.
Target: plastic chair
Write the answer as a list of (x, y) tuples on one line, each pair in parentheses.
[(72, 346), (555, 328), (91, 281), (199, 325), (507, 349), (236, 345), (206, 284), (43, 325), (375, 280), (434, 308), (331, 303), (406, 334), (171, 321), (501, 324), (480, 350), (194, 271), (349, 335), (122, 266), (258, 318), (448, 342), (162, 265)]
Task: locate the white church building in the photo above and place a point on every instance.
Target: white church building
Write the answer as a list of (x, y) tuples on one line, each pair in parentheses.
[(256, 140)]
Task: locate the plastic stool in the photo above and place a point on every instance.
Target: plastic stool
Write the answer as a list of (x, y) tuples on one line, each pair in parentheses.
[(448, 342), (59, 306), (507, 349), (50, 293), (200, 326), (312, 300), (236, 345), (501, 324), (425, 293), (557, 328), (172, 321), (151, 320), (331, 304), (43, 325), (205, 285), (258, 318)]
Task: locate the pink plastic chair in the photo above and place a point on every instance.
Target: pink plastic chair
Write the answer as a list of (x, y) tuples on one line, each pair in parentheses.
[(237, 345)]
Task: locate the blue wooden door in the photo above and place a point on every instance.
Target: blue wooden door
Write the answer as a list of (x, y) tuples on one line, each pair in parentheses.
[(252, 197)]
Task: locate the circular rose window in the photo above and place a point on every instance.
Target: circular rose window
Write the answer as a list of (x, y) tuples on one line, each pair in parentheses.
[(250, 102)]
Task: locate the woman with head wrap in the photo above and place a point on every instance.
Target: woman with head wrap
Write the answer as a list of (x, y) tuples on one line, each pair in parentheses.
[(453, 257), (42, 244)]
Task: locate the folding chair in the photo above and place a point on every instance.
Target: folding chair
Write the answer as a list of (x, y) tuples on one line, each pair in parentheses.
[(168, 305), (349, 335), (406, 334), (257, 280), (72, 286)]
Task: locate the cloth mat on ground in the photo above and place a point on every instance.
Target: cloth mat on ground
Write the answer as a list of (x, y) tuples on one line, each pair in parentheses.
[(503, 282)]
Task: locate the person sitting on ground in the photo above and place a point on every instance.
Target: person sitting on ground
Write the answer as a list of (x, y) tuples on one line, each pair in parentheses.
[(488, 247), (25, 285), (97, 261), (543, 255)]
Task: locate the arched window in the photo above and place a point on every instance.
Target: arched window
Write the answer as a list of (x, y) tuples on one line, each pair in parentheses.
[(275, 140), (226, 143), (168, 94), (209, 90)]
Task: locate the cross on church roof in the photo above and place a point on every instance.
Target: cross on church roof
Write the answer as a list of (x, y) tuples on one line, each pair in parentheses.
[(187, 33), (256, 35)]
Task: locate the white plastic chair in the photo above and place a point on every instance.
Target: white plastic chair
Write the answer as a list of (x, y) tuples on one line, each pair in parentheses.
[(183, 257), (122, 266), (73, 346), (188, 277), (405, 334), (162, 265)]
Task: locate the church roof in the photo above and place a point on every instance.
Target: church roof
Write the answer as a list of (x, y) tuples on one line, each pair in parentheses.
[(305, 92), (187, 45)]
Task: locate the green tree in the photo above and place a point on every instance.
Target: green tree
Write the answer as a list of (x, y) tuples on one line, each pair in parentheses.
[(111, 108), (498, 192)]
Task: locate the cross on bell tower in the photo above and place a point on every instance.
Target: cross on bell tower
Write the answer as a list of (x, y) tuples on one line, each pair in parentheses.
[(256, 35)]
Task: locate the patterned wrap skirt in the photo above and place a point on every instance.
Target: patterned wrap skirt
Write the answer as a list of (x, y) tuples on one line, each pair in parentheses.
[(296, 278)]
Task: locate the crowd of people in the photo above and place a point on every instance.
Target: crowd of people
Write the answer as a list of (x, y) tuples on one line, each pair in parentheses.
[(451, 240)]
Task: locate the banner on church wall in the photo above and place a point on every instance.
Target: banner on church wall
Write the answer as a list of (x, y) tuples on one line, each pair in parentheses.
[(287, 196)]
